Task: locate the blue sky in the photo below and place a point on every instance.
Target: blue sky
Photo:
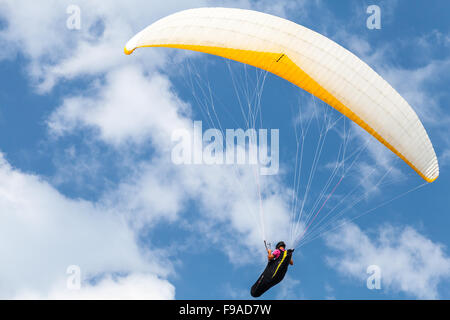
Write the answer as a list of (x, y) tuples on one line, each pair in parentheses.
[(86, 177)]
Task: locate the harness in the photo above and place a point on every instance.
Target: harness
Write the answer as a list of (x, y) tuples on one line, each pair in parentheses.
[(272, 274)]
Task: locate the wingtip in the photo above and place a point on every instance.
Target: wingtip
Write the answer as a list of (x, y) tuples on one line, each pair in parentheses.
[(127, 52)]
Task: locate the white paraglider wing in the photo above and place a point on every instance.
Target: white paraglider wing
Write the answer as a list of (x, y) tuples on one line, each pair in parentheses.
[(308, 60)]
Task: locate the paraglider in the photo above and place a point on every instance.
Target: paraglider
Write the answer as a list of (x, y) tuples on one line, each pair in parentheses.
[(279, 261), (312, 62)]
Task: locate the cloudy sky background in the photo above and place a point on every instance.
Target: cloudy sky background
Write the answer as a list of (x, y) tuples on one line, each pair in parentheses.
[(86, 177)]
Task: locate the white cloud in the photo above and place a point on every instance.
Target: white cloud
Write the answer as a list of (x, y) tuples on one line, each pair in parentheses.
[(410, 263), (38, 30), (444, 159), (132, 287), (56, 53), (128, 108), (227, 203), (289, 289), (235, 293), (43, 232)]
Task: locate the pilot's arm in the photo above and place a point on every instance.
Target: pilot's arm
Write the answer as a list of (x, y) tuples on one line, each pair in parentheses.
[(270, 256)]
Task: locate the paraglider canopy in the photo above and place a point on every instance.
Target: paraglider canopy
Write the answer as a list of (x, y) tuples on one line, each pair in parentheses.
[(307, 59)]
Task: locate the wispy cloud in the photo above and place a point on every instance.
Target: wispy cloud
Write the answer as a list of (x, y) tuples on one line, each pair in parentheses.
[(131, 287), (410, 262), (290, 289), (43, 233)]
